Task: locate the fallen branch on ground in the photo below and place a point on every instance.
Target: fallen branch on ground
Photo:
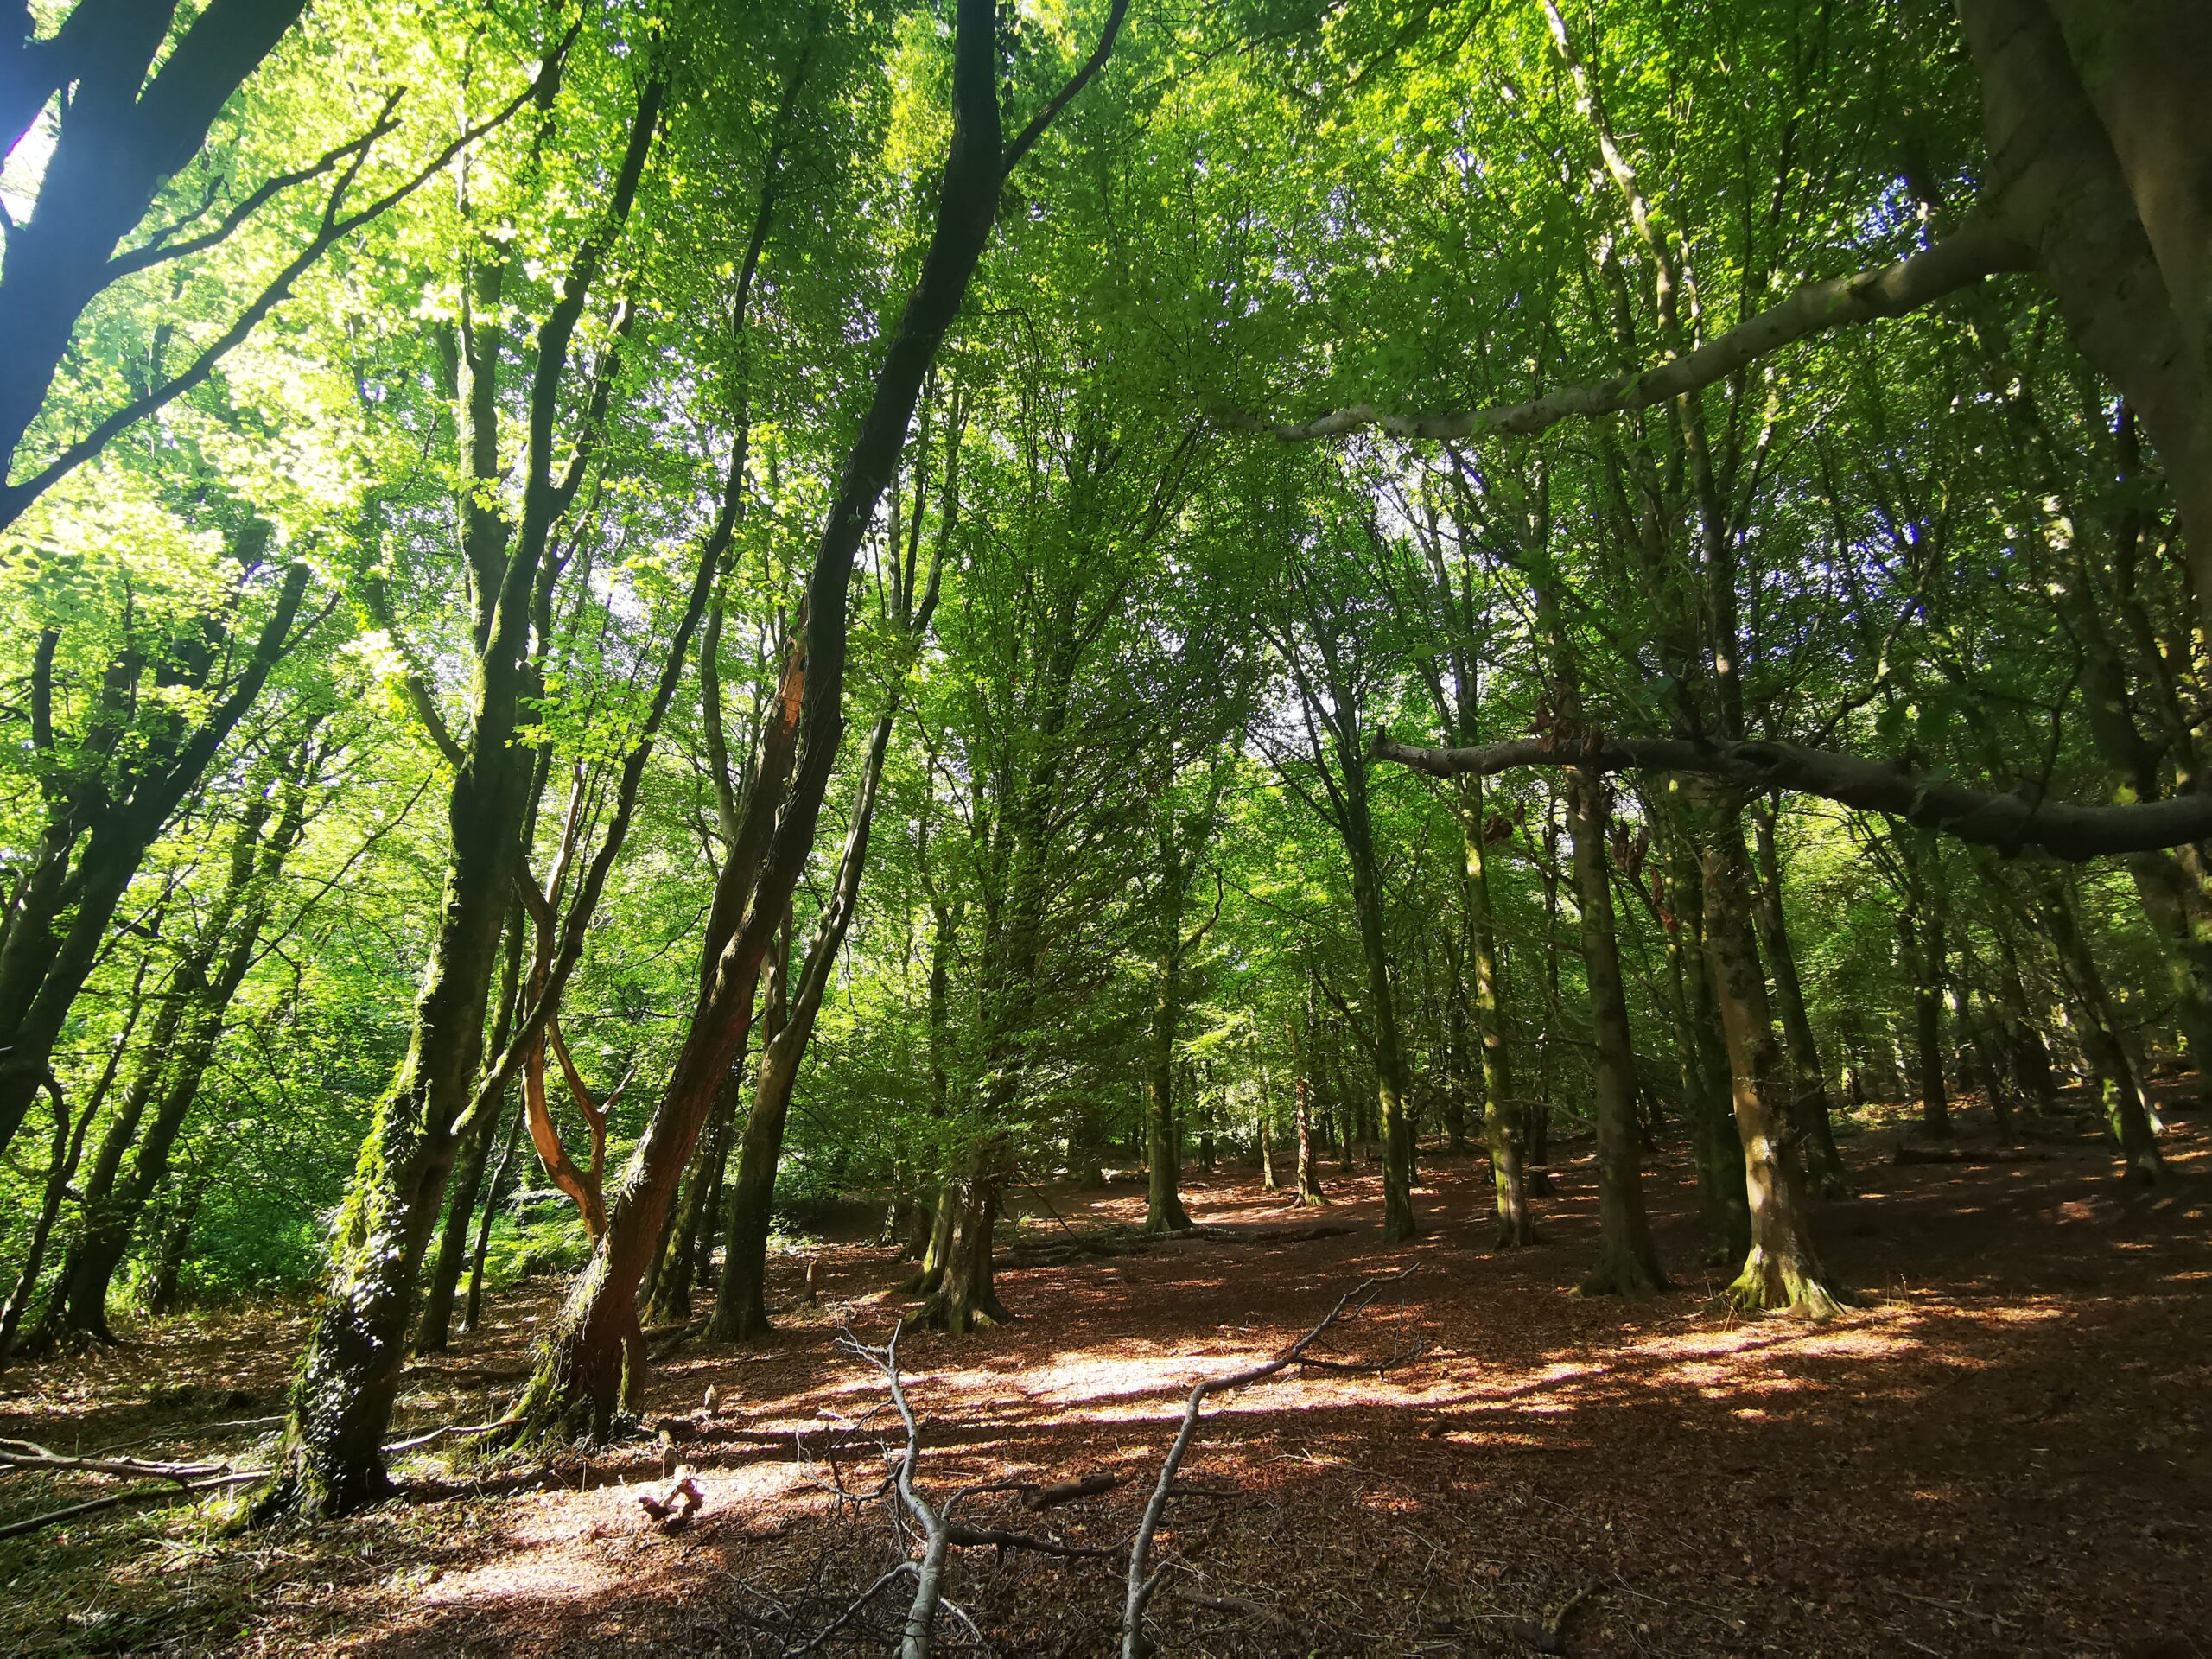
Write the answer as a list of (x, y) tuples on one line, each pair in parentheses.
[(164, 1494), (1969, 1155), (29, 1454), (941, 1532), (1144, 1579), (1068, 1491)]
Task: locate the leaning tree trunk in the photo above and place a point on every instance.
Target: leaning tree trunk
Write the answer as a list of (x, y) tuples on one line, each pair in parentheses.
[(1628, 1260), (741, 1306), (1783, 1270), (2125, 1115), (590, 1363)]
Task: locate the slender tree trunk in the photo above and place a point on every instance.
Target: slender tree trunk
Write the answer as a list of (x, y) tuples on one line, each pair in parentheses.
[(2125, 1115), (1504, 1131), (1922, 945), (1164, 1210), (1268, 1180), (173, 1249), (1627, 1261), (473, 1318), (1809, 1108), (697, 1214)]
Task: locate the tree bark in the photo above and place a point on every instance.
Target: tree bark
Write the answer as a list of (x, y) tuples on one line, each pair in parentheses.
[(1628, 1260), (1783, 1270), (1824, 1160), (1505, 1133), (589, 1365), (2125, 1115)]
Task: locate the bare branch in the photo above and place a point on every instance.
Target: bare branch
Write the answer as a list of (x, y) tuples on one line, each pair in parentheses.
[(1976, 250), (1143, 1580), (2011, 823)]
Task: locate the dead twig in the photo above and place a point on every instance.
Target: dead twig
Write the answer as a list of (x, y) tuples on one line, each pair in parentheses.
[(1144, 1579)]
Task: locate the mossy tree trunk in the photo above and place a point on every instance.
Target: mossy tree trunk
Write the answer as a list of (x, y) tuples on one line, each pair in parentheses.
[(1783, 1269)]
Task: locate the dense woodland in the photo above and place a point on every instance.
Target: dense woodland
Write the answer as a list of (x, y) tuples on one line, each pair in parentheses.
[(633, 637)]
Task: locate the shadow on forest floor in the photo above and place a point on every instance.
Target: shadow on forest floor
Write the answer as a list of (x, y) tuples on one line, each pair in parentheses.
[(2006, 1451)]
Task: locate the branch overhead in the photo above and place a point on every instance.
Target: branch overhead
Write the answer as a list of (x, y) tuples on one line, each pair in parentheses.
[(2012, 824), (1979, 248)]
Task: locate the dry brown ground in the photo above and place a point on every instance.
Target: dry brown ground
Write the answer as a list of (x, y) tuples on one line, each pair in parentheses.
[(2005, 1452)]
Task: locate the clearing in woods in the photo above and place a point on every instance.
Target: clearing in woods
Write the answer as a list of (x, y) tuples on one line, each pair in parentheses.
[(2006, 1451)]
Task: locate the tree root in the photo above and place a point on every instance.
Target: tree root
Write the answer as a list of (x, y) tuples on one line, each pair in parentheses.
[(1770, 1284)]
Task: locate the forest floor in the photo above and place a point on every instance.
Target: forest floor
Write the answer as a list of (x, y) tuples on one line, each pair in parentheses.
[(2007, 1450)]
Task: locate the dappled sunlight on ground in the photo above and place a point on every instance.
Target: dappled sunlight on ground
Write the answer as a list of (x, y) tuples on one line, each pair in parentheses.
[(2004, 1450)]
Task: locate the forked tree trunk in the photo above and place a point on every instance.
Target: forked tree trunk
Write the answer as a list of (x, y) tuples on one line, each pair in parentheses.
[(966, 1296)]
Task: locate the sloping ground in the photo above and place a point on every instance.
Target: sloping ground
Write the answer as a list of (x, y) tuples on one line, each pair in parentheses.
[(2005, 1452)]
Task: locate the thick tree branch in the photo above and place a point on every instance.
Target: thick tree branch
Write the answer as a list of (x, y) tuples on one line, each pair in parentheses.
[(1978, 249), (2012, 824)]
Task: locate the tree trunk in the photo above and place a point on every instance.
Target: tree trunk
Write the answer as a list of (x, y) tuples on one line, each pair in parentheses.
[(1503, 1130), (435, 1330), (1920, 936), (2125, 1115), (473, 1316), (698, 1214), (1164, 1210), (173, 1249), (1708, 1104), (1809, 1107), (589, 1365), (1627, 1261), (967, 1298), (1782, 1271)]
